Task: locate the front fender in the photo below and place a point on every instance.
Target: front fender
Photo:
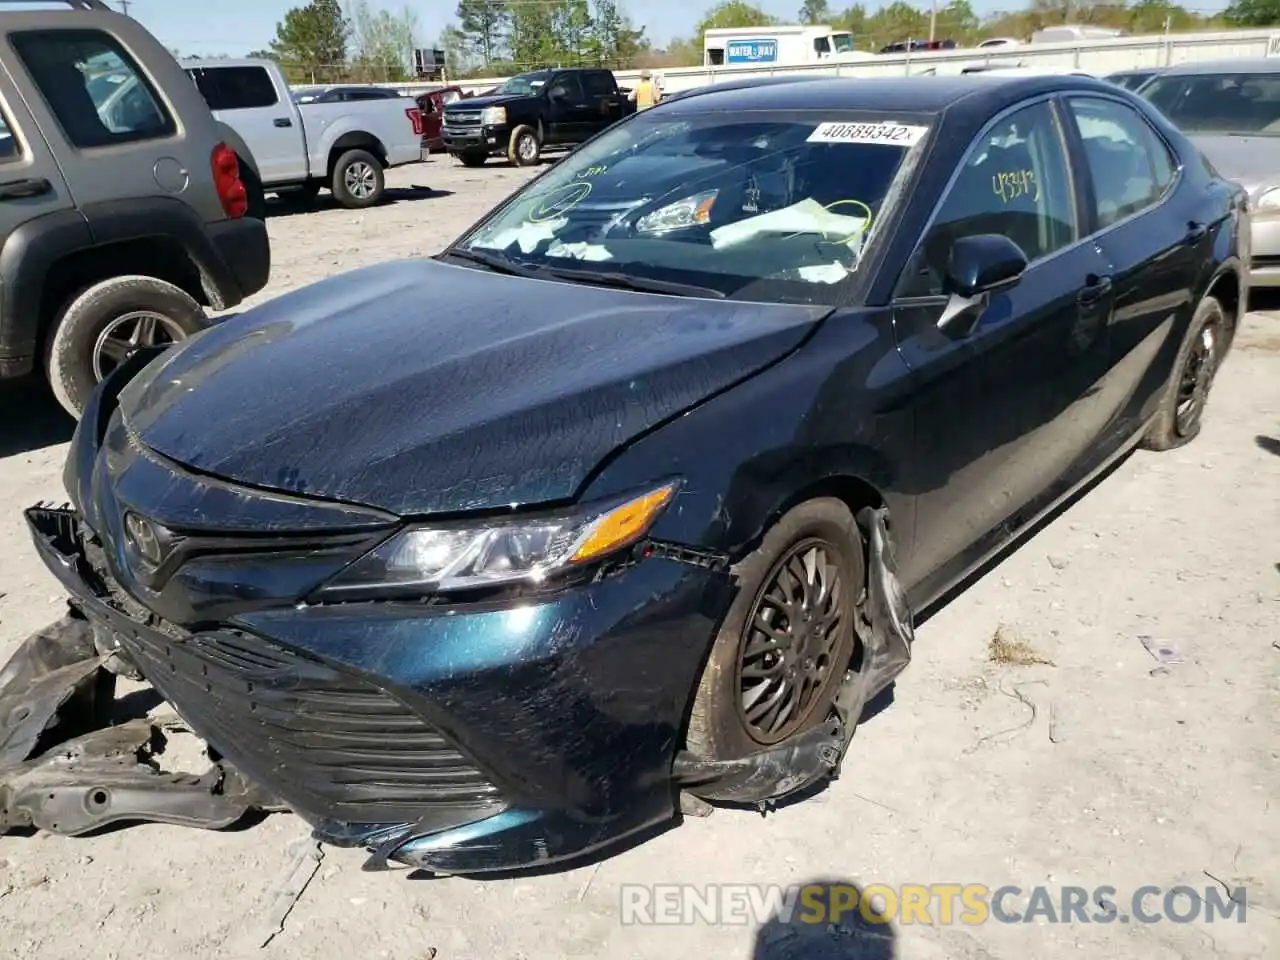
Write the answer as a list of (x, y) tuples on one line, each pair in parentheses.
[(831, 417)]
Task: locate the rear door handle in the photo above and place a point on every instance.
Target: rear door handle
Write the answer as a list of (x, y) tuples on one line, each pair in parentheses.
[(1195, 232), (283, 122), (1095, 288), (30, 187)]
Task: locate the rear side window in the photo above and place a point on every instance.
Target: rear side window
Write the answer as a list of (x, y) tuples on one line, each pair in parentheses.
[(236, 88), (1130, 166), (96, 91), (598, 84)]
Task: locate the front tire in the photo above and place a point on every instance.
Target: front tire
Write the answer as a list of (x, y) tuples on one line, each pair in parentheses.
[(782, 653), (100, 326), (524, 148), (358, 181), (1181, 411)]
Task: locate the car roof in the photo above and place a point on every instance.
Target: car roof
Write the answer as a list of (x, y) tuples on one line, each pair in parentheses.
[(979, 92), (1237, 65)]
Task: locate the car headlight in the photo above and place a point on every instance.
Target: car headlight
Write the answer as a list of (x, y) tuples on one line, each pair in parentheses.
[(690, 212), (452, 557), (493, 115), (1269, 200)]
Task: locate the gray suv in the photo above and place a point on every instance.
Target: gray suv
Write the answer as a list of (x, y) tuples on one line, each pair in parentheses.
[(122, 212)]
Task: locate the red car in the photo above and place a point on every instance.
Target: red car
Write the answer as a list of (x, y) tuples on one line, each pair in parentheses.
[(432, 105)]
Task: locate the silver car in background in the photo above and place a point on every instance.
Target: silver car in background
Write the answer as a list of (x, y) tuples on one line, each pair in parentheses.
[(1231, 110)]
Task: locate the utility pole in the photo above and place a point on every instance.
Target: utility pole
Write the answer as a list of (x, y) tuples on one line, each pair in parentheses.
[(933, 19), (124, 6)]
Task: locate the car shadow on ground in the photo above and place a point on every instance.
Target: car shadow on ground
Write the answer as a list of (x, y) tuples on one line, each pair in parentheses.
[(833, 925), (1269, 444), (287, 205), (33, 418)]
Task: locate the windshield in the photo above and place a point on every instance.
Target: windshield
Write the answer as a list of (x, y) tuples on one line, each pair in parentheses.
[(756, 206), (1239, 103), (843, 42), (526, 83)]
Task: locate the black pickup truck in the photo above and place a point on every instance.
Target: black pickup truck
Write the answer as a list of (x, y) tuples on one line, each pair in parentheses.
[(544, 108)]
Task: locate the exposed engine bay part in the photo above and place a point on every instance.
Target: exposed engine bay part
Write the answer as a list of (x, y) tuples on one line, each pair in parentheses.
[(886, 630), (66, 769)]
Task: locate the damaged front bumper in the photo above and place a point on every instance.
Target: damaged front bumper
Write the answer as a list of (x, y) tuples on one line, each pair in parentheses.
[(459, 742)]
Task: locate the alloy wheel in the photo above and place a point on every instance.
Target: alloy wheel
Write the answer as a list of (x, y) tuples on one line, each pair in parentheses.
[(359, 179), (1197, 378), (527, 147), (792, 636), (128, 333)]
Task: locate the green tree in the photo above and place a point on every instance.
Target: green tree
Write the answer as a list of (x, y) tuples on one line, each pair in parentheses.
[(311, 42), (815, 12), (732, 13), (484, 24), (1150, 16), (384, 43), (1253, 13), (853, 19), (897, 22)]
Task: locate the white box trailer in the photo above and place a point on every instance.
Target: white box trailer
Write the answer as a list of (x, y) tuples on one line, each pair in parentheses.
[(784, 45)]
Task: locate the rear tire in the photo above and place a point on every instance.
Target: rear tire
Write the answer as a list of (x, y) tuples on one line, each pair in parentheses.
[(814, 554), (524, 149), (1181, 410), (98, 327), (358, 181), (472, 159)]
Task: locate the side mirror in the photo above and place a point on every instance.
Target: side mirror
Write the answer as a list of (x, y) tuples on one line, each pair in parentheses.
[(984, 263), (556, 93)]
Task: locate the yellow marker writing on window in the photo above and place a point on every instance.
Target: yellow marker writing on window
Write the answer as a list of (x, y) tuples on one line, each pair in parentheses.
[(1011, 184)]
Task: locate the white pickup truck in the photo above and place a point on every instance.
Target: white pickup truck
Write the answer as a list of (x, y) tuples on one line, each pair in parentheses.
[(344, 146)]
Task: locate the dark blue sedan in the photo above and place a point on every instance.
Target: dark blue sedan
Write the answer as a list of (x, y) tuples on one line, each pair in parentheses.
[(627, 499)]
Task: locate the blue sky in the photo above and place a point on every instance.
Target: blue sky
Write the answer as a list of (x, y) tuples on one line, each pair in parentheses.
[(238, 26)]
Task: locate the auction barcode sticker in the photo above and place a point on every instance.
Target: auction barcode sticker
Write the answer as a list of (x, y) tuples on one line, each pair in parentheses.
[(896, 134)]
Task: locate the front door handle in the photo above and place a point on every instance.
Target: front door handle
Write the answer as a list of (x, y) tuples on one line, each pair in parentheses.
[(30, 187), (1095, 288), (1195, 232), (283, 122)]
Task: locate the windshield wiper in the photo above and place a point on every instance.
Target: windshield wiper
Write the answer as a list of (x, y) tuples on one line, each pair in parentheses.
[(631, 282), (497, 264)]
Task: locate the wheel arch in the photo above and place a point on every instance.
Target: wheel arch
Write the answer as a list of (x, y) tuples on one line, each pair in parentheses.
[(1229, 289), (354, 140)]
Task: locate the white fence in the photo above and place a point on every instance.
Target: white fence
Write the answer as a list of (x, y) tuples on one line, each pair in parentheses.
[(1099, 57)]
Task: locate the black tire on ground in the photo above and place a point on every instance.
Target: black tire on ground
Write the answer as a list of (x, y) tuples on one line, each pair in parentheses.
[(719, 722), (470, 159), (95, 330), (257, 207), (1182, 407), (358, 180), (525, 147)]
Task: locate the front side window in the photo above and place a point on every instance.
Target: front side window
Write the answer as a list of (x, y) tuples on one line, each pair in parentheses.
[(9, 147), (1119, 149), (237, 88), (97, 93), (567, 86), (764, 206), (1015, 182), (1236, 103)]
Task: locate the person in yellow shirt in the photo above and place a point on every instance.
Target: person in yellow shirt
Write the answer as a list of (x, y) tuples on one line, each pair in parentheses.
[(646, 92)]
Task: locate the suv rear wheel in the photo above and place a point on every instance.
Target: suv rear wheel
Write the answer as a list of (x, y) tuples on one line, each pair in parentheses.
[(101, 325)]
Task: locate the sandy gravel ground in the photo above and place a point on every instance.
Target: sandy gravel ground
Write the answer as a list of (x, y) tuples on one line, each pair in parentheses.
[(1099, 769)]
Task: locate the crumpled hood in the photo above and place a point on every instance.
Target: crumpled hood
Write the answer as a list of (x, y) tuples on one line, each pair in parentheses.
[(1253, 162), (420, 387)]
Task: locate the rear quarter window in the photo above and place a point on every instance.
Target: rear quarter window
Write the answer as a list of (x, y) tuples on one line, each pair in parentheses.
[(95, 89)]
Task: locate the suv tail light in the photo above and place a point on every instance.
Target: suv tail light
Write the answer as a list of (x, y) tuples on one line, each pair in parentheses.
[(415, 117), (226, 179)]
